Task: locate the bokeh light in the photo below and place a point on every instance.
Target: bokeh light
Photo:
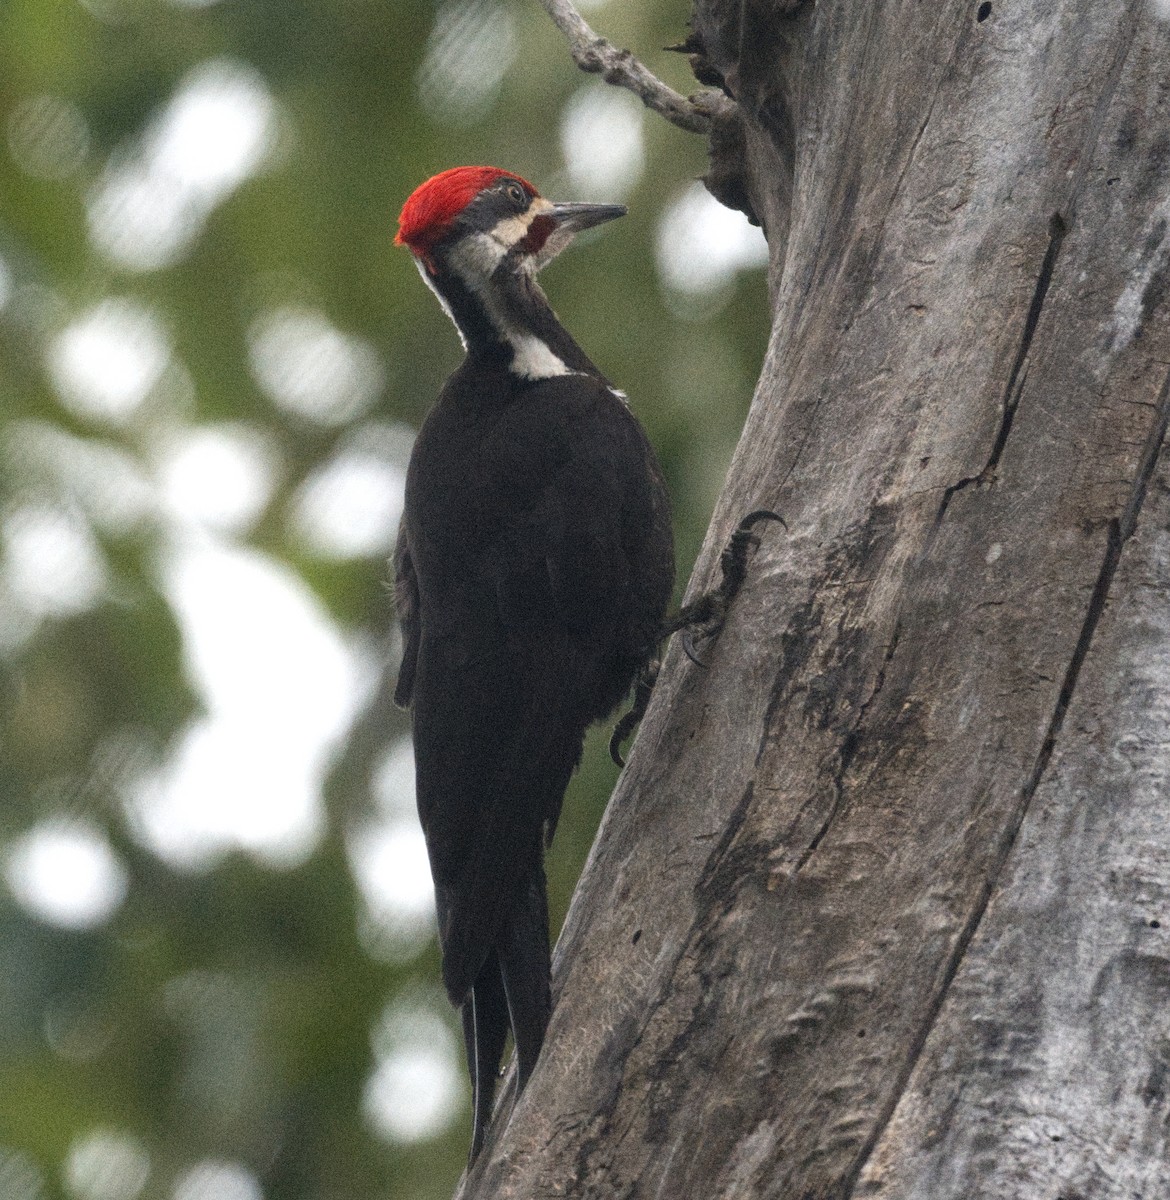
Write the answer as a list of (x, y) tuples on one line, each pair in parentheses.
[(106, 1164), (389, 859), (310, 369), (94, 475), (417, 1080), (349, 507), (702, 245), (105, 363), (601, 139), (51, 563), (20, 1179), (213, 1180), (217, 476), (156, 193), (48, 137), (65, 873), (280, 687), (471, 46)]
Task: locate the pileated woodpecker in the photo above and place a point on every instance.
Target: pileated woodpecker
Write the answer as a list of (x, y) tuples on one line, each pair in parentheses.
[(532, 572)]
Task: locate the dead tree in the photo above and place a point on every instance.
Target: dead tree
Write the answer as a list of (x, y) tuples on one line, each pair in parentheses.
[(881, 905)]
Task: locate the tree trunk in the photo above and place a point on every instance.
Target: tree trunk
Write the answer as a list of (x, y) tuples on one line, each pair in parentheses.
[(881, 905)]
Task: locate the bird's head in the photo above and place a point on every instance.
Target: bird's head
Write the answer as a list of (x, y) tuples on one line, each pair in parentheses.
[(477, 221)]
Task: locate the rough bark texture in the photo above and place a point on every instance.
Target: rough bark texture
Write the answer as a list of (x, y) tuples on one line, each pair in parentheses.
[(881, 906)]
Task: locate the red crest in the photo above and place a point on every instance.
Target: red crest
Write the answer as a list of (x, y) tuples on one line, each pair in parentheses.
[(432, 207)]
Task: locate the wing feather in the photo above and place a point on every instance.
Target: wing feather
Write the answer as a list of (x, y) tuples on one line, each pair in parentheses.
[(545, 612), (406, 601)]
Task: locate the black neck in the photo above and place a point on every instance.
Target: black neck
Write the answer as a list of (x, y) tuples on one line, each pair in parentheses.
[(517, 305)]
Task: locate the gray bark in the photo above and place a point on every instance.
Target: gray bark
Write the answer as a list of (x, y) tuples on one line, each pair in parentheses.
[(881, 905)]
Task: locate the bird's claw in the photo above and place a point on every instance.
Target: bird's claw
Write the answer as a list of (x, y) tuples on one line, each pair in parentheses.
[(643, 690), (733, 560), (699, 622), (703, 620), (621, 731), (689, 649)]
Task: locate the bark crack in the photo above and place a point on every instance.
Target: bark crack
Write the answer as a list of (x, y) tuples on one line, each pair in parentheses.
[(1121, 529), (848, 752), (1014, 388), (1057, 227), (601, 1121)]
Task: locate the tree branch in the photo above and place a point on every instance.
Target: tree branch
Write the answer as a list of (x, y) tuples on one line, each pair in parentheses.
[(598, 56)]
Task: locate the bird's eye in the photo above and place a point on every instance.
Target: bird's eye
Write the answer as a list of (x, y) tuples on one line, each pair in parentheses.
[(516, 194)]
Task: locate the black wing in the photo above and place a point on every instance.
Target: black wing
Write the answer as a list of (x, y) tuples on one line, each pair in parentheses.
[(407, 604), (533, 629)]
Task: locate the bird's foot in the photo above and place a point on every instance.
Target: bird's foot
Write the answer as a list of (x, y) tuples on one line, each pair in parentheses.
[(700, 621), (643, 690), (703, 619)]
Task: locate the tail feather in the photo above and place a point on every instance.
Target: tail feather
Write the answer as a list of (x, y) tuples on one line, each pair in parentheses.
[(510, 992), (485, 1029), (524, 960)]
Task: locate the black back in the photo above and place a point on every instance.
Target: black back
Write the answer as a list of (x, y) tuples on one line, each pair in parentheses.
[(534, 566)]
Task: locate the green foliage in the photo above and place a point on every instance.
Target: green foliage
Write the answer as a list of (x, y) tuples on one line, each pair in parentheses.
[(229, 1009)]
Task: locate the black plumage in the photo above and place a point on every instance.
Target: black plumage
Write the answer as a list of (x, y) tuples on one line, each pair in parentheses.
[(533, 568)]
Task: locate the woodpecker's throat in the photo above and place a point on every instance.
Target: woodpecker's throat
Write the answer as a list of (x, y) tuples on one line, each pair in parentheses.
[(504, 315)]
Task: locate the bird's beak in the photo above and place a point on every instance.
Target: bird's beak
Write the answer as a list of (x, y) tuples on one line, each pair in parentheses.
[(567, 221), (572, 218)]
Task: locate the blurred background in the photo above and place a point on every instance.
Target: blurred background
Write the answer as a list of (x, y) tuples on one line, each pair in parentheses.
[(218, 975)]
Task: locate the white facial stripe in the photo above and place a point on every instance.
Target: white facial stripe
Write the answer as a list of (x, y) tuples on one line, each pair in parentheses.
[(440, 297), (474, 259), (511, 230)]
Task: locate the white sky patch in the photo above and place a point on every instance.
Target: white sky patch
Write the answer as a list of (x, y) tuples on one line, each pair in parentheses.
[(350, 507), (388, 856), (213, 1180), (417, 1087), (392, 783), (280, 687), (47, 137), (106, 1164), (103, 479), (66, 874), (51, 562), (309, 368), (17, 624), (105, 363), (151, 203), (20, 1178), (601, 139), (217, 476), (471, 46), (702, 244), (389, 861)]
